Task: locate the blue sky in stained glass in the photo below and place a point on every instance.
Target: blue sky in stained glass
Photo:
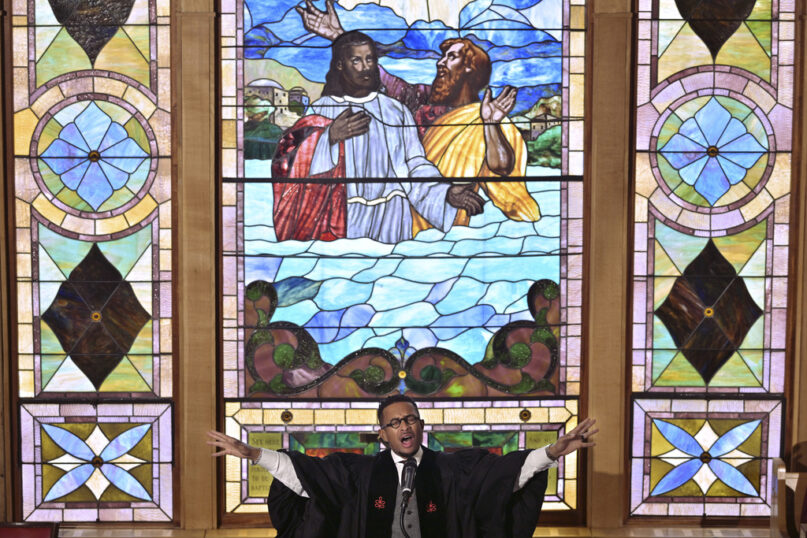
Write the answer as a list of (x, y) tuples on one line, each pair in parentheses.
[(522, 37)]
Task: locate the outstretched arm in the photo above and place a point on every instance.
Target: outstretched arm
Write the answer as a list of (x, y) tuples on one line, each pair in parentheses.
[(326, 24), (499, 155), (277, 463), (539, 460)]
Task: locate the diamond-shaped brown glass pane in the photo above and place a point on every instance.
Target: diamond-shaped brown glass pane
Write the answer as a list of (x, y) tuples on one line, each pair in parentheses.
[(96, 316), (708, 311)]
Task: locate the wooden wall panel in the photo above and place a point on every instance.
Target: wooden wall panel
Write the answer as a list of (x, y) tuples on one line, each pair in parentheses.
[(608, 209), (196, 300)]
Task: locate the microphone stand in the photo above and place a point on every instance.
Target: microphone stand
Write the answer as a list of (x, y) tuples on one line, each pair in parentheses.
[(404, 503)]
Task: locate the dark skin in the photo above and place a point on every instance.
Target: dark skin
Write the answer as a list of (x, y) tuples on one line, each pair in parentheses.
[(356, 68), (499, 155)]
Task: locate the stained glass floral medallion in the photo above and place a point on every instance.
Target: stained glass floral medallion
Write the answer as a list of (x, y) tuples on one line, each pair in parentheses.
[(699, 457), (712, 150), (94, 164), (109, 462)]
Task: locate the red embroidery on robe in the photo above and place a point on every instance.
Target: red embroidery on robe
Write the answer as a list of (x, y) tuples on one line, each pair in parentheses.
[(431, 507), (380, 503)]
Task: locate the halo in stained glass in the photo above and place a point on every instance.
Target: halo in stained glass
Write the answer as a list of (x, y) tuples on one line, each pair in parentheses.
[(93, 156)]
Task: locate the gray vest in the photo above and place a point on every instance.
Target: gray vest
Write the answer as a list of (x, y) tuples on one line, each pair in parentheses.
[(411, 519)]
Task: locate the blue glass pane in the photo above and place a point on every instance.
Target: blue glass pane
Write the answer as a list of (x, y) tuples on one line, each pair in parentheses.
[(124, 481), (71, 481), (679, 438), (712, 120), (69, 442), (677, 476), (124, 442), (733, 438), (93, 124), (732, 477), (94, 188), (712, 183)]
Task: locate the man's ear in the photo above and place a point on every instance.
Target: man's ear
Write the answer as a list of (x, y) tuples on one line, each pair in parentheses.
[(339, 65), (382, 434)]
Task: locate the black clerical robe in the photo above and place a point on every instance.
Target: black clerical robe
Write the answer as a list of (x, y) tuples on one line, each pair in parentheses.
[(465, 494)]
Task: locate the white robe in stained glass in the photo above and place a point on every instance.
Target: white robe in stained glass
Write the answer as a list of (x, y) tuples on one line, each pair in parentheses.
[(390, 149)]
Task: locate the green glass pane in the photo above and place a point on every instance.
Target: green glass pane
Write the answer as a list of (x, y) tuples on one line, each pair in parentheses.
[(689, 194), (670, 127), (681, 248), (735, 373), (661, 359), (63, 56), (72, 199), (51, 179), (117, 113), (123, 253), (65, 252), (762, 32), (680, 373), (661, 336), (137, 133), (738, 248)]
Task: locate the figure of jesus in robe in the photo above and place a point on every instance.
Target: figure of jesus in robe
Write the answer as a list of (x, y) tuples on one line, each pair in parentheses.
[(355, 132)]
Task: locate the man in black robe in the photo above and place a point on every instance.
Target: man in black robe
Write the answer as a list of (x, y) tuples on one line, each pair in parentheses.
[(468, 493)]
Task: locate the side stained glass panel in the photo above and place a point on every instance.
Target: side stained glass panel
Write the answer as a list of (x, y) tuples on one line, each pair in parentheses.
[(92, 215), (712, 223), (413, 224)]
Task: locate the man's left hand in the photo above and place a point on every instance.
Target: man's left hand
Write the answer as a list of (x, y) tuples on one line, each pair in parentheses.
[(464, 197), (495, 110), (580, 437)]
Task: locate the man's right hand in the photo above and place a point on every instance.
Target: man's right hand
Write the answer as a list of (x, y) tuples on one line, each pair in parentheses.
[(323, 23), (231, 446), (347, 125), (464, 197)]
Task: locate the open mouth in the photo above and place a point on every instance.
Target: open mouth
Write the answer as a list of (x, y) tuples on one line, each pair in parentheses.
[(407, 440)]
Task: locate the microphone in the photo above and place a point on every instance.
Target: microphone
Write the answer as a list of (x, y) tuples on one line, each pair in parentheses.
[(408, 480), (407, 484)]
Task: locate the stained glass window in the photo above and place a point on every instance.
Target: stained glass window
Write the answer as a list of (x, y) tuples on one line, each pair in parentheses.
[(92, 216), (712, 222), (401, 206)]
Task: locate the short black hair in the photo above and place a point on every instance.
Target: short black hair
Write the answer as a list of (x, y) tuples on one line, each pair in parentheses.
[(395, 398)]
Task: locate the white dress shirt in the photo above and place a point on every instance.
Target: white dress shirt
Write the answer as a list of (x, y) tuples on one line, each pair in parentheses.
[(280, 466)]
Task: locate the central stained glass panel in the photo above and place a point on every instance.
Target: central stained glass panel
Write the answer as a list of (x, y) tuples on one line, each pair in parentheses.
[(410, 224)]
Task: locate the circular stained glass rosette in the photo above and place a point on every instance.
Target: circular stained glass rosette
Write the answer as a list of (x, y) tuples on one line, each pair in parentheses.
[(94, 157), (712, 151)]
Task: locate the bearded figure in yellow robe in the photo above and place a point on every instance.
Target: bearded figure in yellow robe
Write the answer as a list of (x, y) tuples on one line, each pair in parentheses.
[(466, 137), (462, 136)]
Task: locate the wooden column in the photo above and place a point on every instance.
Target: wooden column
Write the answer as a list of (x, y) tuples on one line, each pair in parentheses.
[(798, 306), (6, 233), (608, 214), (196, 289)]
